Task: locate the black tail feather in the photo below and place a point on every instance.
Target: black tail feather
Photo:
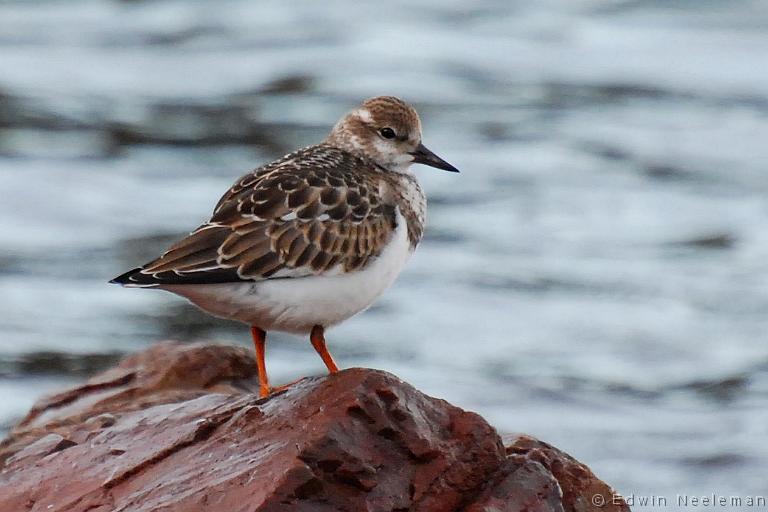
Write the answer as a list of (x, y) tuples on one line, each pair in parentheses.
[(134, 277)]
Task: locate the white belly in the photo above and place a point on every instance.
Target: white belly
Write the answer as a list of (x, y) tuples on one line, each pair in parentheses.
[(297, 304)]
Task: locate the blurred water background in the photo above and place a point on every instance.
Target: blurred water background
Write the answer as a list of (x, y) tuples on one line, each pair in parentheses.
[(597, 276)]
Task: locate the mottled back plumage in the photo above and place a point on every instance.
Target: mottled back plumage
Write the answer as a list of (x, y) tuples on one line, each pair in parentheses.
[(312, 212), (325, 210)]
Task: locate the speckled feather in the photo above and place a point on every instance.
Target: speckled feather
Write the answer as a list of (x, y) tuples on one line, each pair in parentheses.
[(318, 211)]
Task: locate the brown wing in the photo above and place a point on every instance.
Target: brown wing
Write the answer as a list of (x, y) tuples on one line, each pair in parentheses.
[(313, 212)]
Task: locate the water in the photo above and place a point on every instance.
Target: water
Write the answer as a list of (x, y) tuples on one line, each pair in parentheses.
[(597, 275)]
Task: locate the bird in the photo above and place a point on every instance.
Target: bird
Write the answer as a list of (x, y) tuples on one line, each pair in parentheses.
[(305, 242)]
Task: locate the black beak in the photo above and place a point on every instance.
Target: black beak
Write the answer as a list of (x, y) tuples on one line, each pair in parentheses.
[(424, 156)]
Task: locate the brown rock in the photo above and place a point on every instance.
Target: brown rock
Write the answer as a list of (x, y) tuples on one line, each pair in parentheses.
[(581, 490), (175, 428)]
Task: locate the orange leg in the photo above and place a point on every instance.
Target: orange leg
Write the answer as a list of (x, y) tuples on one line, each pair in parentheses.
[(259, 342), (317, 337)]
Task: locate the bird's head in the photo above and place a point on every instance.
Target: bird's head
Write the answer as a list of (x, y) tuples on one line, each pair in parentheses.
[(387, 131)]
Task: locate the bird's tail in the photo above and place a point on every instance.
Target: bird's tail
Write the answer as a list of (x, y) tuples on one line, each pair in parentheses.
[(135, 279)]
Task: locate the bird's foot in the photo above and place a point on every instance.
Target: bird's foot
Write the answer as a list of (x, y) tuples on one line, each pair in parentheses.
[(265, 392)]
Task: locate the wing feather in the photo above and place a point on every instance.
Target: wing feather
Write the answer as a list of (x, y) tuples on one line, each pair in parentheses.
[(309, 213)]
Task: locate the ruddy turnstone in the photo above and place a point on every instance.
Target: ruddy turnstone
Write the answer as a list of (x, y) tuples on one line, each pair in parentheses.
[(309, 240)]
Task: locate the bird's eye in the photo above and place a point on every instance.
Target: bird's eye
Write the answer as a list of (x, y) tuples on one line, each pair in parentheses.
[(387, 133)]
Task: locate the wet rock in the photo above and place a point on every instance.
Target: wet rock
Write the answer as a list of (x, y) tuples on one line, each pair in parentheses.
[(165, 373), (581, 490), (177, 427)]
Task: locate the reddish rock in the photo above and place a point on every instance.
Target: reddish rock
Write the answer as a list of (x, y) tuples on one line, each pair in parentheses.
[(176, 428), (582, 491)]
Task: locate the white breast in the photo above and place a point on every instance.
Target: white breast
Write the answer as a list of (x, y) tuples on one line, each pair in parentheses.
[(296, 305)]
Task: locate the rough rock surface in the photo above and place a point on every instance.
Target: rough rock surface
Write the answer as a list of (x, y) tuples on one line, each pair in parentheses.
[(176, 428)]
